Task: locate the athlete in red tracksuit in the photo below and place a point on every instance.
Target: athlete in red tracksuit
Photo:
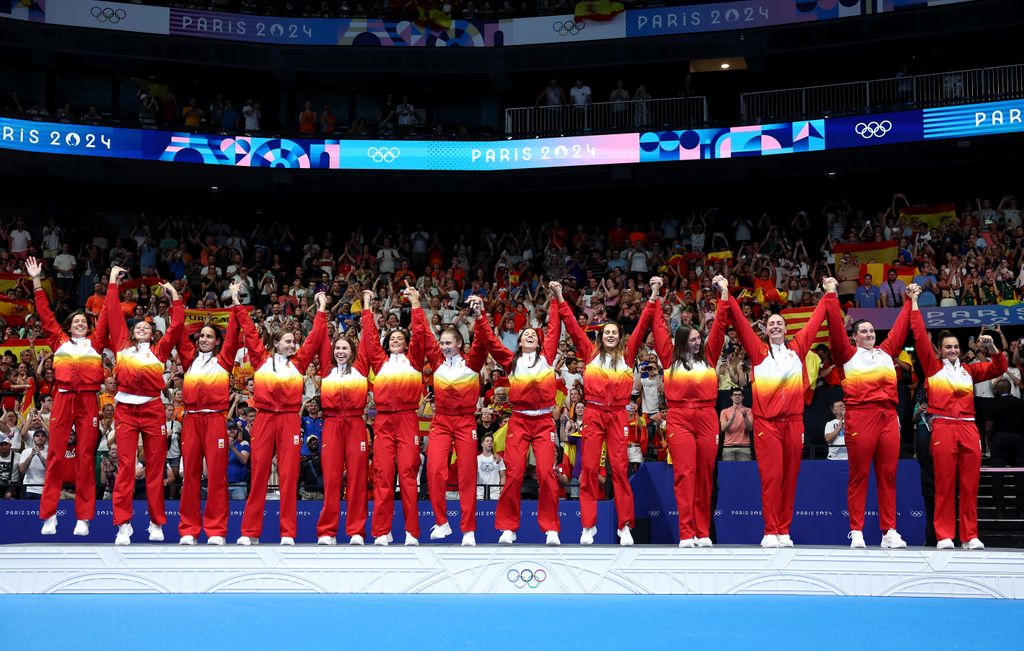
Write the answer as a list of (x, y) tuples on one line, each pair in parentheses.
[(138, 410), (779, 383), (608, 383), (955, 445), (872, 421), (397, 384), (206, 392), (277, 395), (456, 392), (531, 380), (691, 390), (344, 366), (78, 374)]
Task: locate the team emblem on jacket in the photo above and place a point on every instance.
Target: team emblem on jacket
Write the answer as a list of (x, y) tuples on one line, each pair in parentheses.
[(297, 440), (474, 435), (552, 437), (362, 446), (220, 444)]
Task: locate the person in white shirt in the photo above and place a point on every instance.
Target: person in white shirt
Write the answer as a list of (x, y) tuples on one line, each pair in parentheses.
[(835, 432), (18, 240), (252, 114), (32, 465), (579, 95), (490, 470)]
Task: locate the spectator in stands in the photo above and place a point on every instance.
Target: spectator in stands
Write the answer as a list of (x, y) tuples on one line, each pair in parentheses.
[(925, 278), (307, 119), (32, 463), (580, 96), (252, 114), (867, 294), (551, 95), (10, 471), (238, 463), (737, 423), (892, 290), (835, 432)]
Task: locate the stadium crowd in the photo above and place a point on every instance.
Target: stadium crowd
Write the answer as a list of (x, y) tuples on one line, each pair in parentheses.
[(970, 256)]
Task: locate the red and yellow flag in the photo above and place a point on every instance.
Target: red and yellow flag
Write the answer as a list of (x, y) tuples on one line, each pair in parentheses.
[(797, 318), (599, 10), (930, 216), (870, 252)]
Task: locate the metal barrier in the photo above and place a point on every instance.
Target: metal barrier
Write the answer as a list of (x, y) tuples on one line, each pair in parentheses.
[(892, 94), (607, 117)]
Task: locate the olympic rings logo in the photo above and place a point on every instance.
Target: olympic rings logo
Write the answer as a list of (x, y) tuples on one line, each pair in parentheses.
[(569, 27), (869, 130), (917, 514), (383, 154), (526, 578), (108, 14)]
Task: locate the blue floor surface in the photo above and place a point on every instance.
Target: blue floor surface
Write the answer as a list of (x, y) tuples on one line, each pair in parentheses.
[(314, 622)]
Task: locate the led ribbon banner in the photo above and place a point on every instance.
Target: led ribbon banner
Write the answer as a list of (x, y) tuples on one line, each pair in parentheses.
[(374, 32), (650, 147)]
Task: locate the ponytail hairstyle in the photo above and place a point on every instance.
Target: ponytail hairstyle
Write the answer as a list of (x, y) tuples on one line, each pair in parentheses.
[(216, 333), (275, 338), (453, 331)]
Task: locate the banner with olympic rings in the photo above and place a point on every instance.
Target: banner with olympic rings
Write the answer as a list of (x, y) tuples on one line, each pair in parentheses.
[(797, 137)]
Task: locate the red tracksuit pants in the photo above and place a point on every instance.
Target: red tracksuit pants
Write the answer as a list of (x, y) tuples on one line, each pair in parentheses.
[(956, 453), (610, 427), (523, 432), (872, 435), (396, 438), (80, 410), (779, 444), (204, 436), (447, 432), (280, 433), (344, 450), (693, 444), (131, 421)]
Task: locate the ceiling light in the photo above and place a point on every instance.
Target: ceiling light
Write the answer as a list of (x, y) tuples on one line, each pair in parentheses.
[(724, 66)]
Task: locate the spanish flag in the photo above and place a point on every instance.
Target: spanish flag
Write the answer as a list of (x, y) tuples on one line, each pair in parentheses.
[(13, 310), (499, 438), (196, 319), (720, 255), (599, 10), (930, 216), (869, 252), (24, 281), (797, 317), (28, 401)]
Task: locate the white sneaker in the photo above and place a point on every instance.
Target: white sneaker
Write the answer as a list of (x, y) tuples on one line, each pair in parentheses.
[(356, 540), (217, 541), (857, 540), (704, 542), (411, 540), (785, 540), (893, 540), (156, 532), (625, 538), (945, 543), (507, 537), (82, 528), (974, 543), (187, 540), (246, 541), (551, 538), (326, 540), (440, 531), (587, 536), (770, 541), (686, 543), (49, 526), (124, 535), (383, 541), (469, 539), (287, 541)]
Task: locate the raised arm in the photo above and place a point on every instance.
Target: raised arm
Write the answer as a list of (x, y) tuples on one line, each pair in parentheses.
[(51, 328), (930, 364), (748, 338), (838, 340), (229, 347), (716, 338), (170, 338), (554, 333), (898, 333), (503, 356), (253, 344), (990, 370), (584, 348), (311, 346), (115, 315), (369, 339)]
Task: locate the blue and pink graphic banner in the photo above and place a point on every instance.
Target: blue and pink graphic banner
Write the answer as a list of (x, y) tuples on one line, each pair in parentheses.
[(688, 19), (797, 137)]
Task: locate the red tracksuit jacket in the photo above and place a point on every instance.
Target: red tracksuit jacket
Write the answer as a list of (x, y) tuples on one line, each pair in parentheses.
[(77, 363), (398, 379), (531, 379), (279, 380), (207, 382), (343, 391), (698, 386), (140, 368), (456, 381)]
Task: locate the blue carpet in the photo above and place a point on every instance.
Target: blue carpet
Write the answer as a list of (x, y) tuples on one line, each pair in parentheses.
[(284, 622)]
